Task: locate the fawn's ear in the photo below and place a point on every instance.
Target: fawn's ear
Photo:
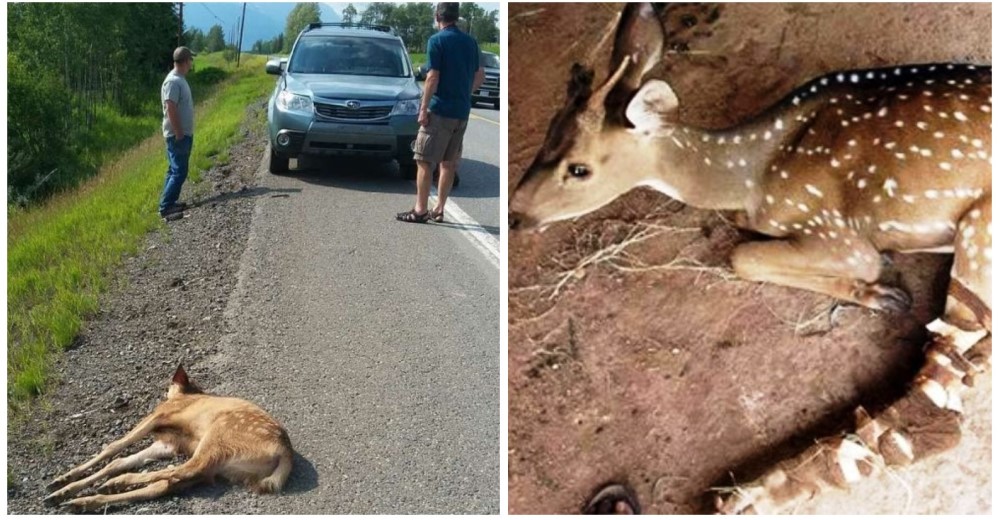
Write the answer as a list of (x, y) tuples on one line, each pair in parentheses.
[(641, 38), (181, 377), (653, 107)]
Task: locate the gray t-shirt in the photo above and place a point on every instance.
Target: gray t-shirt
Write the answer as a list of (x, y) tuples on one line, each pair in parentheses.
[(176, 88)]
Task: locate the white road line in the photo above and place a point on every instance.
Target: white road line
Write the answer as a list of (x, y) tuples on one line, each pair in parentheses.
[(476, 233)]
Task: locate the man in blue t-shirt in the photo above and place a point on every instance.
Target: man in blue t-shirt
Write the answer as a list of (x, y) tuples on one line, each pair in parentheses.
[(454, 72)]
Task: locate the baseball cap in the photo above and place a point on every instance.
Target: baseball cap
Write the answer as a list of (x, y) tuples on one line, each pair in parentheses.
[(182, 54)]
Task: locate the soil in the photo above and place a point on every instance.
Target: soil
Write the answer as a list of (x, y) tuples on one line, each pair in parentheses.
[(166, 309), (678, 378)]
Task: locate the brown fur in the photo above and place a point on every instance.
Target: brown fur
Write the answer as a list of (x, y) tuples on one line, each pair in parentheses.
[(222, 436)]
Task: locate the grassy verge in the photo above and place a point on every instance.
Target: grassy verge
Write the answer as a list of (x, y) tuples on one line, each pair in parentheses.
[(62, 254), (417, 58)]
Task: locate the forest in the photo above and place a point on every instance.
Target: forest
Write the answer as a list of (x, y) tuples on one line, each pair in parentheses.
[(79, 84)]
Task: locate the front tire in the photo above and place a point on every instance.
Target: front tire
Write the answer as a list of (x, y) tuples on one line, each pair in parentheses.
[(278, 164)]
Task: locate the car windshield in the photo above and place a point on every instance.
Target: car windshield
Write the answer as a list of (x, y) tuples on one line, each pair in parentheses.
[(487, 60), (349, 55)]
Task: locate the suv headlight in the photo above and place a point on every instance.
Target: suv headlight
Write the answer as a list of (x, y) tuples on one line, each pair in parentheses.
[(295, 102), (406, 107)]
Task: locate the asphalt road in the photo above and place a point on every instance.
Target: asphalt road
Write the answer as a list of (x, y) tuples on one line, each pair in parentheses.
[(375, 342), (479, 191)]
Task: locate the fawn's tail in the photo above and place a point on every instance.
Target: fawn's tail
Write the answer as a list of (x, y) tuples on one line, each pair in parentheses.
[(276, 480)]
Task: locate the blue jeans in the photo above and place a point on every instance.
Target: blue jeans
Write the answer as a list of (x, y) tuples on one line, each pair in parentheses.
[(178, 154)]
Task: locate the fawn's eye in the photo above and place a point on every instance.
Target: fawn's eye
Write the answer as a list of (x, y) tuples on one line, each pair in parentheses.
[(579, 171)]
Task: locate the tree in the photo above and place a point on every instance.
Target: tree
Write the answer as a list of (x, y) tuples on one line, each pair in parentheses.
[(195, 39), (302, 15), (481, 25), (349, 13), (61, 77), (215, 40), (377, 13)]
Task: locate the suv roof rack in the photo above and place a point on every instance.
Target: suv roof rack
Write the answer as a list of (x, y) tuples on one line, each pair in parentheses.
[(344, 25)]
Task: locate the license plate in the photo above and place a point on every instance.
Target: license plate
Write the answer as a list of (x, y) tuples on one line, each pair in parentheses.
[(484, 93)]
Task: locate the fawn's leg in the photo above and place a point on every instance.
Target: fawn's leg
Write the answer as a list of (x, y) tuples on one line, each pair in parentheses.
[(845, 267), (144, 427), (925, 421), (154, 490), (197, 467), (156, 451)]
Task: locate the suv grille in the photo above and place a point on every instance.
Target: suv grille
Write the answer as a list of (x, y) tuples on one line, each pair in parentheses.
[(492, 82), (347, 113)]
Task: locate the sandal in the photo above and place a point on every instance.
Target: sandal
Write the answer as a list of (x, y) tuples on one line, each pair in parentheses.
[(436, 216), (412, 216)]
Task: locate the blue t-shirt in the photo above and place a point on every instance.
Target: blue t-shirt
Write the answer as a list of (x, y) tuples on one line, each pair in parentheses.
[(455, 55)]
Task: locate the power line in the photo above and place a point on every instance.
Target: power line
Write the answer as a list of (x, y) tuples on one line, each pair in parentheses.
[(211, 13)]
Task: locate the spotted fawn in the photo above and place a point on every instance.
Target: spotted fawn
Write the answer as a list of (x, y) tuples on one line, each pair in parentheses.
[(223, 436), (849, 165)]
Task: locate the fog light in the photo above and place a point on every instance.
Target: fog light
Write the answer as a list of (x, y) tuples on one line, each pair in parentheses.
[(283, 139)]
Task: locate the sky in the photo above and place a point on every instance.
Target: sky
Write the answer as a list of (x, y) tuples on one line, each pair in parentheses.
[(339, 6), (264, 19)]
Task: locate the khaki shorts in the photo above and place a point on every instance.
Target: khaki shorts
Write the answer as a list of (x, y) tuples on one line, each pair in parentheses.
[(440, 140)]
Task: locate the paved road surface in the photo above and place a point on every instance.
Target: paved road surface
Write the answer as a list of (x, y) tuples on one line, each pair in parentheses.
[(376, 343)]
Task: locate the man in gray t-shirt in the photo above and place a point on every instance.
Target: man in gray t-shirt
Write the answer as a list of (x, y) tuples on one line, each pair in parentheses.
[(178, 129)]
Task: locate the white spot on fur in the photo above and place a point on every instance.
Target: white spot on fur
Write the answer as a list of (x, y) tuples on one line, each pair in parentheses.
[(889, 186)]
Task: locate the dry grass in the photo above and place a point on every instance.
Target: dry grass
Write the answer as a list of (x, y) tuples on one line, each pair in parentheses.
[(592, 251)]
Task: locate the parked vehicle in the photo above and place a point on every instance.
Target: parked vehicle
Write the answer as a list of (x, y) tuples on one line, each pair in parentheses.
[(345, 90), (489, 92)]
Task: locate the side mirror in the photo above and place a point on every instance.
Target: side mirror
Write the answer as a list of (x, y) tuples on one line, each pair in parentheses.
[(276, 67), (420, 74)]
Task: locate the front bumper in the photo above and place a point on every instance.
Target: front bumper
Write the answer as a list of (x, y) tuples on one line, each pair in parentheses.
[(486, 95), (311, 135), (489, 91)]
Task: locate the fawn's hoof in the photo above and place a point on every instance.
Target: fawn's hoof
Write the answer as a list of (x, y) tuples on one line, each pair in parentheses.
[(732, 504), (886, 298), (54, 499), (57, 484), (894, 299), (614, 499)]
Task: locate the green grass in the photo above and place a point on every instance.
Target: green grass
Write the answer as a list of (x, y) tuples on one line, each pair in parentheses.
[(417, 58), (112, 132), (62, 254)]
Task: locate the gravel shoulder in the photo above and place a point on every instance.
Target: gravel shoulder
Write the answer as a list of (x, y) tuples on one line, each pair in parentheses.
[(165, 308)]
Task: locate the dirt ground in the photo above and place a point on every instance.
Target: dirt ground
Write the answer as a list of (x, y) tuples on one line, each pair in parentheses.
[(678, 378)]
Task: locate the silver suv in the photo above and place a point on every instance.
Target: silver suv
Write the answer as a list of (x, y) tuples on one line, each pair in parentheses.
[(346, 90)]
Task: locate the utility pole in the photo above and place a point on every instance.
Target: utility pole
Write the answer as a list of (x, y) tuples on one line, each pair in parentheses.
[(239, 46), (180, 23)]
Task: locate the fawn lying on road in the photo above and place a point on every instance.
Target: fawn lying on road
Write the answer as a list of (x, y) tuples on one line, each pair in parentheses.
[(850, 165), (223, 436)]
